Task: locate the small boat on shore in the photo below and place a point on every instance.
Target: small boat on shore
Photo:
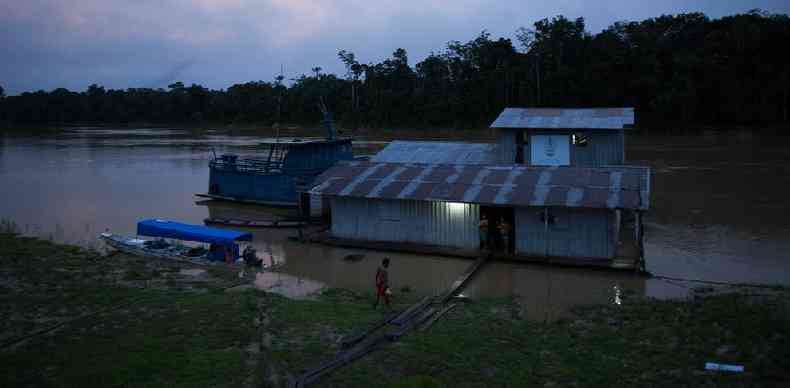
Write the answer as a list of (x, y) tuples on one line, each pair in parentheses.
[(223, 243)]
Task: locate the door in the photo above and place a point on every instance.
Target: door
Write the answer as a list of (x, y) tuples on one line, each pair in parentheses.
[(550, 150), (499, 232)]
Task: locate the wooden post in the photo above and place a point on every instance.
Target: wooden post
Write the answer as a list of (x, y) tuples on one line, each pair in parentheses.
[(546, 233), (618, 220), (638, 234)]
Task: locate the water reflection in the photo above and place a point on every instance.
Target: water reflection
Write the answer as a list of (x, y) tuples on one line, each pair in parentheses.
[(543, 292), (718, 212)]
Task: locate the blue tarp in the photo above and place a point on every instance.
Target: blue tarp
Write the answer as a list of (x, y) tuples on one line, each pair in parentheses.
[(177, 230)]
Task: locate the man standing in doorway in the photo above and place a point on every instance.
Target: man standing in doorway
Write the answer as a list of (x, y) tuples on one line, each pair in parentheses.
[(383, 283), (483, 232)]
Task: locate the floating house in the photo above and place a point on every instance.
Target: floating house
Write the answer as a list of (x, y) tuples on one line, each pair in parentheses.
[(555, 177)]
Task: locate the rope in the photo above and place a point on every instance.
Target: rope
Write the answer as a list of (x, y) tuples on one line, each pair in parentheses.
[(715, 282)]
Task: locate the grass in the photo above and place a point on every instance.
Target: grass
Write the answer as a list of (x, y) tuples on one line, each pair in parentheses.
[(642, 343), (112, 327), (124, 321)]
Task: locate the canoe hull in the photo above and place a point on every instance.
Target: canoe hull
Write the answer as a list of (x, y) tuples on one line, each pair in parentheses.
[(136, 247)]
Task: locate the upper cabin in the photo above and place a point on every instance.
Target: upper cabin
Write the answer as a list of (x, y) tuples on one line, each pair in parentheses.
[(563, 137)]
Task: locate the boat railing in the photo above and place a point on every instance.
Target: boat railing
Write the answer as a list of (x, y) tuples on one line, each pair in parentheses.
[(247, 165), (259, 166)]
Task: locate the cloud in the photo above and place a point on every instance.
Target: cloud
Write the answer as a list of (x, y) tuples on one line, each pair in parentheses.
[(128, 43)]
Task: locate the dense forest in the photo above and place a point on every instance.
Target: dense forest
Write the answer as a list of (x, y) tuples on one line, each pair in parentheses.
[(674, 68)]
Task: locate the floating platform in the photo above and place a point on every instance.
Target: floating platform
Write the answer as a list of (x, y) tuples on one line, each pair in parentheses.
[(625, 260), (256, 224), (249, 201)]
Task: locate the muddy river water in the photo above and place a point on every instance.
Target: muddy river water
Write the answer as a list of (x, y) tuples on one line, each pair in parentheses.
[(719, 212)]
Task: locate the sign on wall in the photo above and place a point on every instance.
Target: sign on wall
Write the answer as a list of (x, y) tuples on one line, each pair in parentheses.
[(550, 150)]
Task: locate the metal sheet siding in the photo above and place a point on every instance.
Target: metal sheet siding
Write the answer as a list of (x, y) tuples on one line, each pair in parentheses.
[(431, 223), (576, 233), (507, 145), (603, 148), (272, 187), (529, 230)]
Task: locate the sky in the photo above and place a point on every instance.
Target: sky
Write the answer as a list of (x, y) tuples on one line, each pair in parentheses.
[(46, 44)]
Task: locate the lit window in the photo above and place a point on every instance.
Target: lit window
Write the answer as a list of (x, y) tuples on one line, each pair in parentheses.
[(579, 139)]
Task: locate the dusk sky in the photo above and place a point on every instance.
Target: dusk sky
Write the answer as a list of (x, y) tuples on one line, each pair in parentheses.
[(45, 44)]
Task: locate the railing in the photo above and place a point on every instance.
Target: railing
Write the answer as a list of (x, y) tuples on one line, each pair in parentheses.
[(246, 165), (259, 166)]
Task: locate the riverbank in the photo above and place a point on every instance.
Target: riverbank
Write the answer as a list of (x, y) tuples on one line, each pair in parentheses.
[(77, 318)]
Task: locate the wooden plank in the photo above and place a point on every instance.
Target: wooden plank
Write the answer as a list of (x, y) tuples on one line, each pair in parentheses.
[(416, 320), (416, 315), (427, 325), (415, 308), (338, 361), (356, 338), (461, 281)]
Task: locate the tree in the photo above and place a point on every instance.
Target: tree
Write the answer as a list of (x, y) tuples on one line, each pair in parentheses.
[(681, 68)]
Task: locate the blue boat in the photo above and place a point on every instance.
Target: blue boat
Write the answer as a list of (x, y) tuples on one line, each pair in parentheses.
[(223, 243), (285, 165)]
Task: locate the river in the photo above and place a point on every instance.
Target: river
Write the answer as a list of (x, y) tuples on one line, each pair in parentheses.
[(719, 211)]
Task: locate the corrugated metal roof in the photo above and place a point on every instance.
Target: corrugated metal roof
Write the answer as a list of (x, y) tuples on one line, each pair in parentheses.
[(623, 187), (437, 152), (551, 118)]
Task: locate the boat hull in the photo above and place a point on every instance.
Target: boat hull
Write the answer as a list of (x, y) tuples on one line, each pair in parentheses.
[(241, 186), (136, 247)]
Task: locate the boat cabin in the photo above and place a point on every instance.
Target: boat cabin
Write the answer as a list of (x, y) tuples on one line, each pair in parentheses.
[(563, 137), (273, 178)]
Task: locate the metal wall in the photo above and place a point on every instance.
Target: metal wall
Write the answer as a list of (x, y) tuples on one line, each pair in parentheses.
[(271, 187), (506, 140), (422, 222), (575, 233), (603, 148), (317, 156)]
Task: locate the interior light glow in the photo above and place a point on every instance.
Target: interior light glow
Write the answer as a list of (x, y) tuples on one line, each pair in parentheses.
[(456, 207)]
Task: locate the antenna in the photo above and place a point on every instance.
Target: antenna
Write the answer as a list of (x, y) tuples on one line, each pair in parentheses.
[(330, 127), (280, 79)]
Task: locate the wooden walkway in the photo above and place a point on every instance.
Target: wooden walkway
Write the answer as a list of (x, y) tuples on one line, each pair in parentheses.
[(421, 315)]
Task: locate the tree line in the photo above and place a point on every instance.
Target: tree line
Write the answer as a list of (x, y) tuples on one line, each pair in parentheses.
[(683, 68)]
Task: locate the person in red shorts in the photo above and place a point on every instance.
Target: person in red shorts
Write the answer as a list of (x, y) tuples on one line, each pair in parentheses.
[(383, 283)]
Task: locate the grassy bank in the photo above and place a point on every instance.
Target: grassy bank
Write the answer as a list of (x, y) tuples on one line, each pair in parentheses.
[(75, 318), (640, 343)]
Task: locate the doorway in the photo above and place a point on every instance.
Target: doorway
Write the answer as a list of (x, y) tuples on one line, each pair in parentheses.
[(497, 229)]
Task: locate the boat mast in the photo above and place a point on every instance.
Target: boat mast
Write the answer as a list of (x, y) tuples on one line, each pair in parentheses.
[(328, 123)]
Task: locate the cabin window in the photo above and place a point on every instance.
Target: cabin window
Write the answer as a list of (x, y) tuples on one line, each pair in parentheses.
[(579, 139)]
